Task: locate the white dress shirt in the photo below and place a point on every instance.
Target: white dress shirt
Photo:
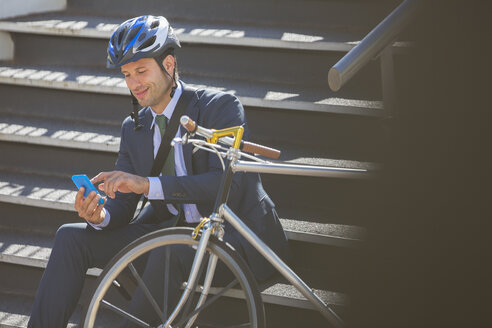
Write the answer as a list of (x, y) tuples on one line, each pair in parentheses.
[(155, 187)]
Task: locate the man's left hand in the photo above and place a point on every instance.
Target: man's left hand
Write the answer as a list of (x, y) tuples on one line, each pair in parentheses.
[(121, 181)]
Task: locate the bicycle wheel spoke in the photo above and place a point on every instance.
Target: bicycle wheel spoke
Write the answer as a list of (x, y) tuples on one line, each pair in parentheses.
[(122, 313), (209, 302), (123, 292), (240, 293), (146, 291)]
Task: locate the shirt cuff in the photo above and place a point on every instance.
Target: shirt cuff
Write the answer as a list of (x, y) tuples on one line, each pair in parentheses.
[(155, 189), (103, 224)]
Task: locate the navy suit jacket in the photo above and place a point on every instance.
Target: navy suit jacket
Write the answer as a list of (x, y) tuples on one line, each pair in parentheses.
[(247, 198)]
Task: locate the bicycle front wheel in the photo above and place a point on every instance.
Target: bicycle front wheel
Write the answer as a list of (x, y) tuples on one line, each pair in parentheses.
[(232, 300)]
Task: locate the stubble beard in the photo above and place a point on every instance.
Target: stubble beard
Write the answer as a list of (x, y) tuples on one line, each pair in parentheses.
[(155, 95)]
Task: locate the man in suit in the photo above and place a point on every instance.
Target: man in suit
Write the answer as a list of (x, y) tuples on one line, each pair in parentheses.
[(143, 48)]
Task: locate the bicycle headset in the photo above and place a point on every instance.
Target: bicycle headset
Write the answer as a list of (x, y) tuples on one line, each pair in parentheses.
[(142, 37)]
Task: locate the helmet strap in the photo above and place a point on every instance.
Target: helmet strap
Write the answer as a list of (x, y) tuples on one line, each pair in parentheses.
[(175, 85), (134, 113), (159, 61), (173, 78)]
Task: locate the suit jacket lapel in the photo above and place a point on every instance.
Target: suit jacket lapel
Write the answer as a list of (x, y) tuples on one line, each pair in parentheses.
[(192, 112)]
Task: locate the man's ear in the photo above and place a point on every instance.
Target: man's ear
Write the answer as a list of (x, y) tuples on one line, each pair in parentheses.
[(168, 64)]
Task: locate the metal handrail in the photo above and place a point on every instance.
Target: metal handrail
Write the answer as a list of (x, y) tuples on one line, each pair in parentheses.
[(371, 45)]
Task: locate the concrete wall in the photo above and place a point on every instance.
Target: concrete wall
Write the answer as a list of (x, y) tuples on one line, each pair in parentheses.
[(6, 46), (11, 8)]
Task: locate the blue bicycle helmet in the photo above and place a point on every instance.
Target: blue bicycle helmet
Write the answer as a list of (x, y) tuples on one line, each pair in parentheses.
[(141, 37)]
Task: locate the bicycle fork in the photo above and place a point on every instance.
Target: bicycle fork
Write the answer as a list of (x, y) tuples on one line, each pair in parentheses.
[(190, 285)]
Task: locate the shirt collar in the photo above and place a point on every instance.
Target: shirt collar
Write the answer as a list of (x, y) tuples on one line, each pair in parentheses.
[(169, 110)]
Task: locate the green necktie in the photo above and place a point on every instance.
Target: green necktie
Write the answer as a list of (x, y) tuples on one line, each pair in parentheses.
[(168, 168)]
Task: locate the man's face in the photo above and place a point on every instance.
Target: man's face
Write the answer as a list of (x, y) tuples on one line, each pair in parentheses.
[(148, 83)]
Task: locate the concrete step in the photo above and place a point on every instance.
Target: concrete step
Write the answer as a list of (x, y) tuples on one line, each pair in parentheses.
[(256, 94), (94, 120), (53, 160), (43, 203), (280, 293), (324, 233), (235, 33), (271, 65), (73, 134), (25, 188), (333, 249), (16, 309), (63, 38), (58, 193), (344, 15), (343, 127), (341, 201), (295, 196), (25, 252)]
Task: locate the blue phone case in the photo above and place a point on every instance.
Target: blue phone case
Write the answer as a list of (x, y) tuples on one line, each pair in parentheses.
[(81, 180)]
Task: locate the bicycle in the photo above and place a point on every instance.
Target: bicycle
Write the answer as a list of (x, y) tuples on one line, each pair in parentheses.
[(197, 301)]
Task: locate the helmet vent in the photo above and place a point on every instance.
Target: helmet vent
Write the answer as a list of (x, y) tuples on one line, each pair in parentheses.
[(154, 24), (131, 35), (120, 36), (147, 43)]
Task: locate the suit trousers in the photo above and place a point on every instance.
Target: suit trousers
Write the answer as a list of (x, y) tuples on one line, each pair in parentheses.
[(78, 247)]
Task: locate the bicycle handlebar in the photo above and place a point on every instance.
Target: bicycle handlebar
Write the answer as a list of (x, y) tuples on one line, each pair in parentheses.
[(254, 148), (246, 146)]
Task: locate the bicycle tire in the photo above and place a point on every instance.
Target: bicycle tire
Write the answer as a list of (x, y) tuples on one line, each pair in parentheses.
[(179, 236)]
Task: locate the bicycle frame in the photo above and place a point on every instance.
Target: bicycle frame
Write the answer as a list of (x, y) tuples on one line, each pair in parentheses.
[(223, 213), (263, 249)]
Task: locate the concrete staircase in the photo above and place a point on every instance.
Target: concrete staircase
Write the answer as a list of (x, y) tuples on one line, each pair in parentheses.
[(61, 112)]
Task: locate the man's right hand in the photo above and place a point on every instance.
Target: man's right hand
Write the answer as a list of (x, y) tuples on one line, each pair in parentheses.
[(88, 208)]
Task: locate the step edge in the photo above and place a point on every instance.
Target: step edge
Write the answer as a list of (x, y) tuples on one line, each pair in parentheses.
[(376, 111), (33, 202), (37, 263), (292, 234), (95, 272), (256, 42), (321, 239), (114, 147), (252, 42), (54, 142)]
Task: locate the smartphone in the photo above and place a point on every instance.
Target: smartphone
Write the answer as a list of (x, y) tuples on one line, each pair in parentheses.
[(81, 180)]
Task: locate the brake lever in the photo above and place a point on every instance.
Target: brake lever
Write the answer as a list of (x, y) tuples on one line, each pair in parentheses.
[(183, 140)]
